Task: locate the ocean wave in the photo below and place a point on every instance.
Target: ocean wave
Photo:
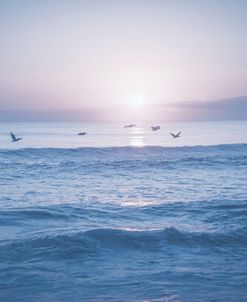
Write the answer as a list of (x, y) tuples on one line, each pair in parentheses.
[(52, 214), (140, 150), (125, 212), (105, 241), (19, 215), (33, 160)]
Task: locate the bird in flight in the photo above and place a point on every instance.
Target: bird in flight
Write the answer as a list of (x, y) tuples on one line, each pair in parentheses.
[(82, 133), (176, 135), (14, 138), (155, 128), (130, 126)]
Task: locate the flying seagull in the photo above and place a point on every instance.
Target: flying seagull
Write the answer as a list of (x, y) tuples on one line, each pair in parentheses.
[(130, 126), (14, 138), (155, 128), (82, 133), (176, 135)]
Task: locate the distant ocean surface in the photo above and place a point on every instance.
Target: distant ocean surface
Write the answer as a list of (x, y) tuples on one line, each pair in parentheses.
[(123, 214), (64, 135)]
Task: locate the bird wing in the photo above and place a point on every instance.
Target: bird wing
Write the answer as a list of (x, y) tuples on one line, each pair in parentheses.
[(173, 135), (178, 134), (12, 136)]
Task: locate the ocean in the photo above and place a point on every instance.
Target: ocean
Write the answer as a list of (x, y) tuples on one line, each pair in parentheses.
[(123, 214)]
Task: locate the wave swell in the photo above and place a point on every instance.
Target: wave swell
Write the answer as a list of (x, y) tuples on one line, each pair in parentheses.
[(101, 241)]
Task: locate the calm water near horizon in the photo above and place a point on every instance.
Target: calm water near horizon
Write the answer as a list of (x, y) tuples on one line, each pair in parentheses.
[(123, 214), (64, 135)]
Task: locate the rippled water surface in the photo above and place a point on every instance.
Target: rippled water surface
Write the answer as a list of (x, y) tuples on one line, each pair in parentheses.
[(123, 222)]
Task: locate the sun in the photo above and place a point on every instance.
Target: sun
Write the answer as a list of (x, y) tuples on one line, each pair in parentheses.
[(136, 101)]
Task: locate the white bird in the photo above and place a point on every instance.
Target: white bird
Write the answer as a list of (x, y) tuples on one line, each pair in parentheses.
[(176, 135), (14, 138)]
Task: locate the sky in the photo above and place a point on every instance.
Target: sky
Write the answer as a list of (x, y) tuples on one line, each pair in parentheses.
[(123, 59)]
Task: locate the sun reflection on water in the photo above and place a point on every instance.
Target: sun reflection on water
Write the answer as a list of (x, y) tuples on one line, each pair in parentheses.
[(136, 137)]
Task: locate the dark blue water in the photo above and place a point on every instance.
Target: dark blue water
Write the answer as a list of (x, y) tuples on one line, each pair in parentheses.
[(124, 224)]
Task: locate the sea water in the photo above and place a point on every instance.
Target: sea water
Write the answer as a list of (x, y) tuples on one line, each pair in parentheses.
[(123, 214)]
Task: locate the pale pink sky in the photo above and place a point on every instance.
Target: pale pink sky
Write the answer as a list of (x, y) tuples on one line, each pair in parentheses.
[(120, 55)]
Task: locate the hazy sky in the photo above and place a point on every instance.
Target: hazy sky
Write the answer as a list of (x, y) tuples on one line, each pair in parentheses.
[(129, 55)]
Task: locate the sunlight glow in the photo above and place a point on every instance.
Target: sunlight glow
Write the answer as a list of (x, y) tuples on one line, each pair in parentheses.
[(136, 101)]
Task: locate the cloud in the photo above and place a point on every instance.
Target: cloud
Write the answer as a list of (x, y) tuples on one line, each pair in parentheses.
[(223, 109), (52, 116)]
